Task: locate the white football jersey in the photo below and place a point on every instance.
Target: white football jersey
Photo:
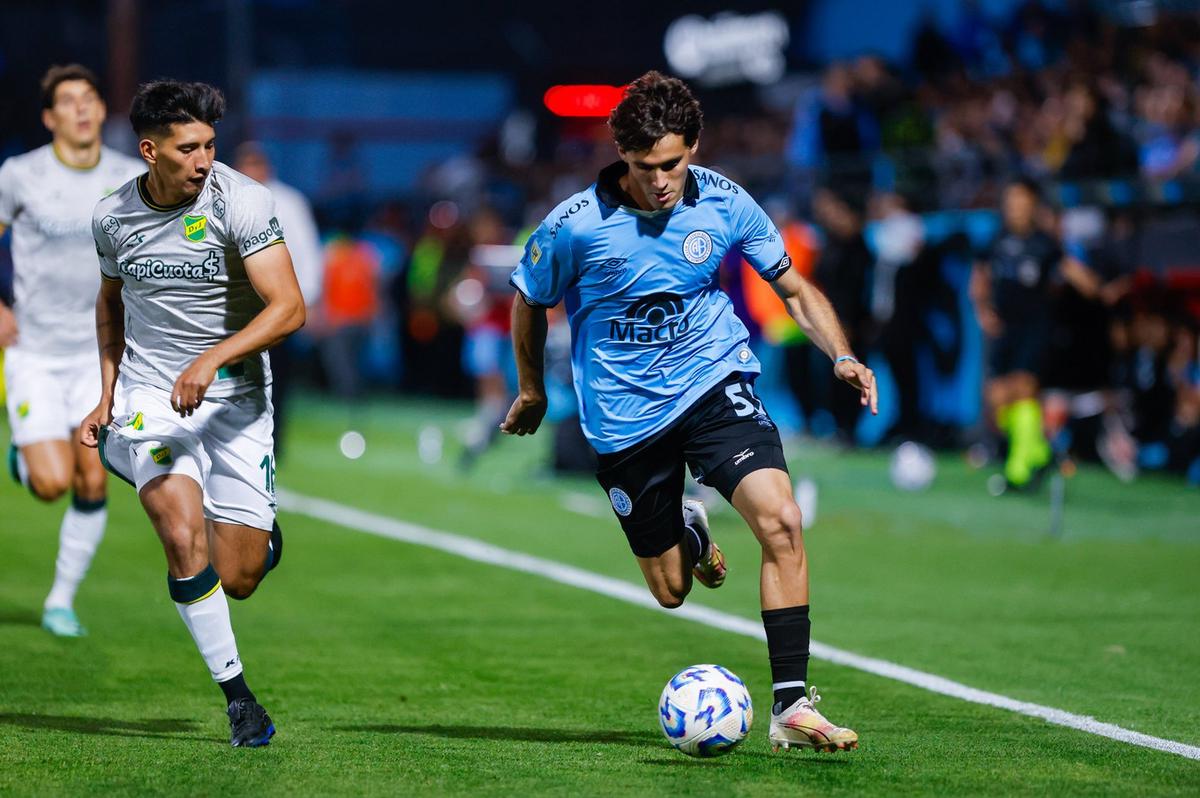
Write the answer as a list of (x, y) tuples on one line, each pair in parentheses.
[(49, 205), (185, 285)]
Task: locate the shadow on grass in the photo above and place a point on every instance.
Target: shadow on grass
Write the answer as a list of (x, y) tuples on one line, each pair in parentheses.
[(520, 733), (167, 728), (17, 616), (800, 760)]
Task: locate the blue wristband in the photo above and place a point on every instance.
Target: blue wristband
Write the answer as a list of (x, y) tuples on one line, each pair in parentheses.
[(851, 358)]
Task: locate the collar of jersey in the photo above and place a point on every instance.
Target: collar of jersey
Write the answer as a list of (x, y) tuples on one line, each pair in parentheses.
[(58, 157), (608, 189), (144, 193)]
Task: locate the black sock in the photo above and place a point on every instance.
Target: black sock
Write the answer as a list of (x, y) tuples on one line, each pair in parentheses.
[(696, 541), (787, 645), (276, 551), (235, 688)]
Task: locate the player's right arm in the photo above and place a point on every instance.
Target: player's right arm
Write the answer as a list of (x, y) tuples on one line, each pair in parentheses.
[(546, 270), (529, 345), (110, 332), (110, 337)]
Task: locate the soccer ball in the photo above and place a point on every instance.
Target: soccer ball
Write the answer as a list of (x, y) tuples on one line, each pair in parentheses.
[(913, 467), (705, 711)]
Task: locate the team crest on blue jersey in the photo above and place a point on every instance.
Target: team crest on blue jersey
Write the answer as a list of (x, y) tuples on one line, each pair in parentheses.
[(621, 502), (697, 246)]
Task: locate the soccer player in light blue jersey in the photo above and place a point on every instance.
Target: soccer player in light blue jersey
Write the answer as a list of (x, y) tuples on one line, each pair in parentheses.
[(664, 371)]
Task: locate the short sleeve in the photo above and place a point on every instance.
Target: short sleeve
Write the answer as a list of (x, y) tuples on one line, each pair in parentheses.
[(760, 241), (9, 204), (547, 268), (253, 225), (103, 228)]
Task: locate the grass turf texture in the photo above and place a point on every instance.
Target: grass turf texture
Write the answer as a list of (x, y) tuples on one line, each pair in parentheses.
[(390, 668)]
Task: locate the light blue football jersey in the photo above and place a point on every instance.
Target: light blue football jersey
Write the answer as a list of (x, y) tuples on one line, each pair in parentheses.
[(651, 329)]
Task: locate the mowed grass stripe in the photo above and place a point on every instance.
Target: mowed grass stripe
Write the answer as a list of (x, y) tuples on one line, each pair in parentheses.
[(479, 551)]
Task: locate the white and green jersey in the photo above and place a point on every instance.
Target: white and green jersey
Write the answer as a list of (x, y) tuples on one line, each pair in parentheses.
[(49, 205), (185, 285)]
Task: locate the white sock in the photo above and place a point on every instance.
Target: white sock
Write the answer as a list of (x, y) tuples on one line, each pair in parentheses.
[(207, 618), (78, 537)]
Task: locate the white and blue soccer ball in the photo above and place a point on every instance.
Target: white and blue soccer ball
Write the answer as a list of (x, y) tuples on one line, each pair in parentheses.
[(913, 467), (705, 711)]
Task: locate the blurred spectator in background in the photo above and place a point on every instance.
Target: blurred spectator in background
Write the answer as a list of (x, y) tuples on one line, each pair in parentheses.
[(832, 127), (304, 243), (843, 272), (1096, 148), (350, 302), (899, 298), (433, 333), (777, 328), (482, 300)]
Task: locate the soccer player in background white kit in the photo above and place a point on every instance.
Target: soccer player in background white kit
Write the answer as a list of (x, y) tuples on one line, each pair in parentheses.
[(308, 260), (197, 284), (50, 365)]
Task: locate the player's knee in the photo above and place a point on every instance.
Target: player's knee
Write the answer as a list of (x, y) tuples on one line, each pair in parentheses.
[(49, 484), (670, 590), (240, 587), (668, 598), (182, 545), (90, 485), (781, 530)]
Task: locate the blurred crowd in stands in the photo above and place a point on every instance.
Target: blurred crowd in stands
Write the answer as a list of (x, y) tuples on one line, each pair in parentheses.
[(886, 180)]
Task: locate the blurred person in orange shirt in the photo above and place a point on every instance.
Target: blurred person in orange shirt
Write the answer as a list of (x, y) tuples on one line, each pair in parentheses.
[(349, 303), (763, 305)]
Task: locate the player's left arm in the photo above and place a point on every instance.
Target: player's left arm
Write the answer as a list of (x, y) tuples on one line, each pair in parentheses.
[(8, 322), (815, 315), (8, 211), (270, 272)]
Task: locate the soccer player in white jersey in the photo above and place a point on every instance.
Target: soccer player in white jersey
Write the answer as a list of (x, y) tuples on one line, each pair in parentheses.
[(197, 284), (50, 365)]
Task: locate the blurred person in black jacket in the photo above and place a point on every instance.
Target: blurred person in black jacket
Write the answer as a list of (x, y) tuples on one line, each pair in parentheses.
[(843, 272)]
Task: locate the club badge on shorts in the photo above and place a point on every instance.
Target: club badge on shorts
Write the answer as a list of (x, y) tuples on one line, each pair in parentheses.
[(621, 502)]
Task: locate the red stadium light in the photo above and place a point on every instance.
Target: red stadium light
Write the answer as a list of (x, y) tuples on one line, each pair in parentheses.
[(581, 100)]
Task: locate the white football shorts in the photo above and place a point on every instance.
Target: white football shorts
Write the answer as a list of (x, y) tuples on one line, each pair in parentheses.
[(47, 397), (226, 446)]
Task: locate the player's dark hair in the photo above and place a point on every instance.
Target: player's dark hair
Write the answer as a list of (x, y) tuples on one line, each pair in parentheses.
[(61, 73), (1029, 184), (163, 103), (654, 106)]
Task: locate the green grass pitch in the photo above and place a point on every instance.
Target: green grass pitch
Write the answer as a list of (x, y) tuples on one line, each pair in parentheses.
[(392, 669)]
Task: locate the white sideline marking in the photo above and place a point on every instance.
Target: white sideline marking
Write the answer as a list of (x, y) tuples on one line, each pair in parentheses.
[(472, 549)]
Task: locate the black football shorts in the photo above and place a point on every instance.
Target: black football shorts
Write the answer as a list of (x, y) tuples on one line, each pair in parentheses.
[(722, 437)]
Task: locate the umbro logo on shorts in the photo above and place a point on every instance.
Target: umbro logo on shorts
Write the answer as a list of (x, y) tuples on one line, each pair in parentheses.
[(742, 456)]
